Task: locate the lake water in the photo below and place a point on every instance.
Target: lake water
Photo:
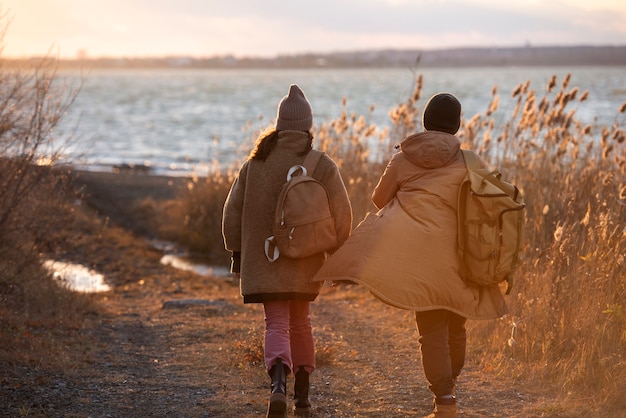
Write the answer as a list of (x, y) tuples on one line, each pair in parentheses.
[(180, 120)]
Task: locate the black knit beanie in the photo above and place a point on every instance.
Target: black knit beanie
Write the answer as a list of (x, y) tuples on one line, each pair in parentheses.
[(442, 113), (294, 112)]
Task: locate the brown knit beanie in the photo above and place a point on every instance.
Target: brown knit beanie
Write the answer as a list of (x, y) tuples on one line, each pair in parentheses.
[(294, 112), (442, 113)]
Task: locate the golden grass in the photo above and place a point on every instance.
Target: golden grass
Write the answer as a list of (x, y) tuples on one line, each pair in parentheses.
[(567, 315), (567, 326)]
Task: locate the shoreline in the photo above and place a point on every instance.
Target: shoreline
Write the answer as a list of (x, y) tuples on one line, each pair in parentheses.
[(130, 200), (130, 185)]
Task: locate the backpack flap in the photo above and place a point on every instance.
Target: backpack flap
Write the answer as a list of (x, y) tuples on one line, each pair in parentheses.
[(292, 210), (303, 222)]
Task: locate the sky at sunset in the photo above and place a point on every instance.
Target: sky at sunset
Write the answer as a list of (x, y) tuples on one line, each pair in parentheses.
[(266, 28)]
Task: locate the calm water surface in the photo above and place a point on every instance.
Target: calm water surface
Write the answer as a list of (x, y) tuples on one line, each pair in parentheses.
[(178, 120)]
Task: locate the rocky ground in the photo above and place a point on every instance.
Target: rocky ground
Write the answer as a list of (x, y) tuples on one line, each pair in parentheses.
[(169, 343)]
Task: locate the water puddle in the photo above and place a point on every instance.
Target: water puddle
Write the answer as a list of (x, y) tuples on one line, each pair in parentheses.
[(178, 259), (194, 264), (77, 277)]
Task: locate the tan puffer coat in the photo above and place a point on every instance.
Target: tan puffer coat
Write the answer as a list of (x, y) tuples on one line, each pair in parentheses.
[(406, 253), (249, 215)]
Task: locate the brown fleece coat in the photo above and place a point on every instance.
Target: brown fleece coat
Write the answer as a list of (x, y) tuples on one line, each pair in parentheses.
[(249, 215), (406, 253)]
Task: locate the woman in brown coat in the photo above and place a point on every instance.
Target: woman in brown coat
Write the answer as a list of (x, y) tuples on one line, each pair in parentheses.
[(283, 286), (406, 254)]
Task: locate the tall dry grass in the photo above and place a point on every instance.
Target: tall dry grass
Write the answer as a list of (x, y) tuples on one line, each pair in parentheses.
[(567, 326)]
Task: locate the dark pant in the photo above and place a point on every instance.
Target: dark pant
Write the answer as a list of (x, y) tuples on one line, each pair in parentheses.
[(442, 339)]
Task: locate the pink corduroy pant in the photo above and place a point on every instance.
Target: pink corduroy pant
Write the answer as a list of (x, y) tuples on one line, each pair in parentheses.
[(288, 335)]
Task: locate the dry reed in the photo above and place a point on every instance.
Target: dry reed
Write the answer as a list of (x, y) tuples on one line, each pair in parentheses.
[(567, 326)]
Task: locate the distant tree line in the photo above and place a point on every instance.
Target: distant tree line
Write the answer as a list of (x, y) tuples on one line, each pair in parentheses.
[(457, 57)]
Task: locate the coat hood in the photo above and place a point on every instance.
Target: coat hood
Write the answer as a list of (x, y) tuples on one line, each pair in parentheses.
[(430, 149)]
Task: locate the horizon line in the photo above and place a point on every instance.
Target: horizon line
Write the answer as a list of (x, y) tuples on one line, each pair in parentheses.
[(87, 57)]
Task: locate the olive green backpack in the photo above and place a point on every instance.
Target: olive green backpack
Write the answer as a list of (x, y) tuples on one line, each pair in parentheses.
[(491, 217)]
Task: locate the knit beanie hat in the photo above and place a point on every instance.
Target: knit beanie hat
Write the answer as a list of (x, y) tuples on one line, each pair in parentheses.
[(294, 112), (442, 113)]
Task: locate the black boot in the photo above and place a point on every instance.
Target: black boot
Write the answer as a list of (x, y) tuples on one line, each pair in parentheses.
[(302, 406), (278, 398)]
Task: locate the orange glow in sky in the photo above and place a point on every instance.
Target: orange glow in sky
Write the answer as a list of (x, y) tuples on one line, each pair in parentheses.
[(139, 28)]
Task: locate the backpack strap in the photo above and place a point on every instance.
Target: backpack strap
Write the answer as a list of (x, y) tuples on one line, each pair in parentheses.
[(472, 162), (311, 160)]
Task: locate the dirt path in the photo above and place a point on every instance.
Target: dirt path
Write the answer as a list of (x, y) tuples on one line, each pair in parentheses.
[(140, 354), (150, 358)]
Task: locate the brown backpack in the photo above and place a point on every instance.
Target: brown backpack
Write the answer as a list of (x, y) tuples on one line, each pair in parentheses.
[(303, 221), (491, 217)]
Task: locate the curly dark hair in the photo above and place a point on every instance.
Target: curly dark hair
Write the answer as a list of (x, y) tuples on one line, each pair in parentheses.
[(267, 141)]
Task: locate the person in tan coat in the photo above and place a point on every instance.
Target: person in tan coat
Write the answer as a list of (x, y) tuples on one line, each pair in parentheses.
[(284, 286), (406, 253)]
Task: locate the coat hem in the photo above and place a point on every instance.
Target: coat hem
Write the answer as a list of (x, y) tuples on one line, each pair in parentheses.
[(271, 297), (380, 296)]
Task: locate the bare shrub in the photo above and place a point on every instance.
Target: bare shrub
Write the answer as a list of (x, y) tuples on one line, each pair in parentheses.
[(33, 187), (36, 210)]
